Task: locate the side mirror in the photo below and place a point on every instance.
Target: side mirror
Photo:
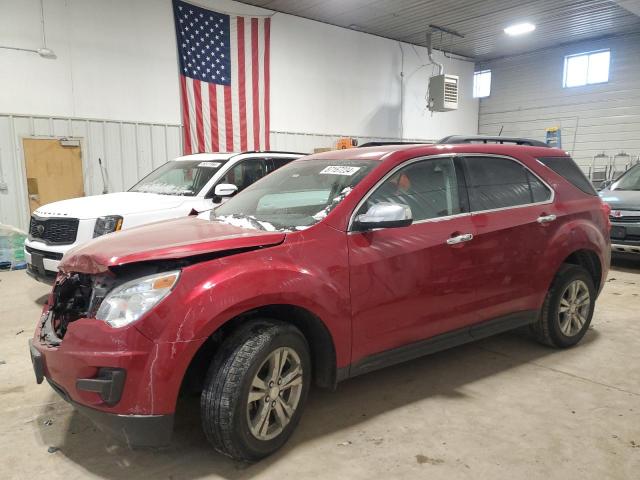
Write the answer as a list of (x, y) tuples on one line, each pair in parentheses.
[(225, 190), (384, 215)]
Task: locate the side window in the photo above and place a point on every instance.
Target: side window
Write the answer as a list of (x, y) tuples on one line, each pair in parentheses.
[(567, 168), (281, 162), (245, 173), (275, 163), (495, 182), (429, 188), (539, 191)]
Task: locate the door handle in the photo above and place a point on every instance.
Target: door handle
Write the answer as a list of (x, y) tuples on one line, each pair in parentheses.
[(465, 237), (546, 219)]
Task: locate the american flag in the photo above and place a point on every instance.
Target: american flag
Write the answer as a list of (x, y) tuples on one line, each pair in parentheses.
[(224, 79)]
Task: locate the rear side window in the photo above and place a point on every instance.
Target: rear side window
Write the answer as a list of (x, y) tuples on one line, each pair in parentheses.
[(567, 168), (280, 162), (494, 182)]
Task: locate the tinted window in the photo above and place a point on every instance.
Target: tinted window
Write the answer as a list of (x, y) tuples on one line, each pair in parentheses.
[(539, 191), (566, 167), (500, 183), (429, 188), (280, 162), (245, 173)]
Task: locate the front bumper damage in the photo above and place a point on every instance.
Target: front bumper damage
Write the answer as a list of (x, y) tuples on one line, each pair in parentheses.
[(126, 383)]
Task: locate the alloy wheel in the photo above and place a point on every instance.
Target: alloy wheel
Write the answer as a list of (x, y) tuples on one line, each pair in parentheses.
[(575, 303), (275, 393)]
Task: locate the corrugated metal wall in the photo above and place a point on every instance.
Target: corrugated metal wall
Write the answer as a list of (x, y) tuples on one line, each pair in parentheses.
[(128, 151), (527, 96)]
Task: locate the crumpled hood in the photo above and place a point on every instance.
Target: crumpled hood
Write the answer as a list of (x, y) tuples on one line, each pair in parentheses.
[(621, 199), (122, 203), (172, 239)]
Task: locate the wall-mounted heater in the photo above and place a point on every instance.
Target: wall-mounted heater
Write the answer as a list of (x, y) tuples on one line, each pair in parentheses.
[(443, 93)]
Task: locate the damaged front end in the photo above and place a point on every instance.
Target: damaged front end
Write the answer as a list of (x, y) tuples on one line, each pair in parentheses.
[(74, 296)]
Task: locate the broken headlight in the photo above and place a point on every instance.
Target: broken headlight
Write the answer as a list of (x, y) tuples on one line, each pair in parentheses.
[(108, 224), (128, 302)]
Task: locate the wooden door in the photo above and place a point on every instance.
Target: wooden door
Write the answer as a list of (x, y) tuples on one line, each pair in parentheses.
[(54, 171)]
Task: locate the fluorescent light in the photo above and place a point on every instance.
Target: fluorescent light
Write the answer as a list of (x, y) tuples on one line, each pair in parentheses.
[(520, 29)]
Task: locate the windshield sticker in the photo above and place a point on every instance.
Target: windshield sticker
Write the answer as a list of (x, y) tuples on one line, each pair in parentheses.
[(209, 164), (339, 170)]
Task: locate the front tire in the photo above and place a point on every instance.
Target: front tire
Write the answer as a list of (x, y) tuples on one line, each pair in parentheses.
[(255, 390), (567, 309)]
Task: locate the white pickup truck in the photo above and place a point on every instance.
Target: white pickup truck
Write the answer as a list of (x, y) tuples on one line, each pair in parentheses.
[(193, 182)]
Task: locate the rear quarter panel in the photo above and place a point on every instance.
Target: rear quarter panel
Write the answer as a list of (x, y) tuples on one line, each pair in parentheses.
[(582, 225)]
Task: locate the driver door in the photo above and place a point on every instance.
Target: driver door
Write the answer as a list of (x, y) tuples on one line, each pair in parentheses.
[(411, 283)]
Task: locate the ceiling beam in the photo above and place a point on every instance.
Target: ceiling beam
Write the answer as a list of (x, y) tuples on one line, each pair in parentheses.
[(632, 6)]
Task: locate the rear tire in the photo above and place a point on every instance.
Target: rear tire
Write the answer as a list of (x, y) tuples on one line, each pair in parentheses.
[(567, 309), (246, 413)]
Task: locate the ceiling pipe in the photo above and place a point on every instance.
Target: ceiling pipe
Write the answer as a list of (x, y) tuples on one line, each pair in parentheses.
[(430, 52), (43, 51)]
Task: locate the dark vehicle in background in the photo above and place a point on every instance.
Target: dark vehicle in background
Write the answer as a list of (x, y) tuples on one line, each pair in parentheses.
[(623, 196)]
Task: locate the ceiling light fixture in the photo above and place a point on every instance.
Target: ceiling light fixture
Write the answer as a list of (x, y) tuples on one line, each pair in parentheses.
[(520, 29)]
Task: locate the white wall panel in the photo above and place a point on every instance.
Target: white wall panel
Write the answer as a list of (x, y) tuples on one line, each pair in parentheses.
[(125, 149), (114, 86), (527, 96), (117, 60)]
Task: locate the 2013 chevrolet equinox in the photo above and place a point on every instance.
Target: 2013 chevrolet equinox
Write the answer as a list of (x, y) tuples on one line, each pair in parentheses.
[(334, 265)]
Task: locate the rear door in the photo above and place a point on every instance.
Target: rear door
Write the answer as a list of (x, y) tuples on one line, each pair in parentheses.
[(414, 282), (514, 218)]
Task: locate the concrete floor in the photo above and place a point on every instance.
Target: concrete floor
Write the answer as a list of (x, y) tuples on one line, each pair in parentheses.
[(504, 407)]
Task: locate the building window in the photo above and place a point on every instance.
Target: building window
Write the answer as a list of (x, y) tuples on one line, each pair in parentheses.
[(586, 68), (481, 83)]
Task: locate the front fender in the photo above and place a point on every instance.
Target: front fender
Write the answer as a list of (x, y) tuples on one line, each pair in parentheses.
[(211, 293)]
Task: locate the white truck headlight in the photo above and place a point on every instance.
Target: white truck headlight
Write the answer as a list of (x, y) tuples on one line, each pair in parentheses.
[(108, 224), (128, 302)]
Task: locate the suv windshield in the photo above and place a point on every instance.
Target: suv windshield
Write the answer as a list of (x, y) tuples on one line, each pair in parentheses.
[(629, 181), (179, 177), (295, 196)]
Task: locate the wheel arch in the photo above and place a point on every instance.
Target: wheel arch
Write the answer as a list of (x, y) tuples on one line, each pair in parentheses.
[(321, 344), (590, 261)]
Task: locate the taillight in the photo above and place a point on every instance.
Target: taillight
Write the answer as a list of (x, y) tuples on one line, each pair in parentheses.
[(606, 210)]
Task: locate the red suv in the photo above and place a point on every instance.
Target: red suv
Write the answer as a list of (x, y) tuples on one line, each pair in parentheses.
[(335, 265)]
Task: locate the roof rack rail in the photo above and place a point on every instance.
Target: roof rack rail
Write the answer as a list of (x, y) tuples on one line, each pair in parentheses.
[(382, 144), (272, 151), (457, 139)]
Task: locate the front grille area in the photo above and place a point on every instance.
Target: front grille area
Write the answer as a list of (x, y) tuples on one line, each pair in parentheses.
[(633, 219), (54, 231), (49, 255)]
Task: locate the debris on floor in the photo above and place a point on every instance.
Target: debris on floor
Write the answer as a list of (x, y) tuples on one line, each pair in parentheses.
[(52, 449), (422, 459), (19, 332)]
